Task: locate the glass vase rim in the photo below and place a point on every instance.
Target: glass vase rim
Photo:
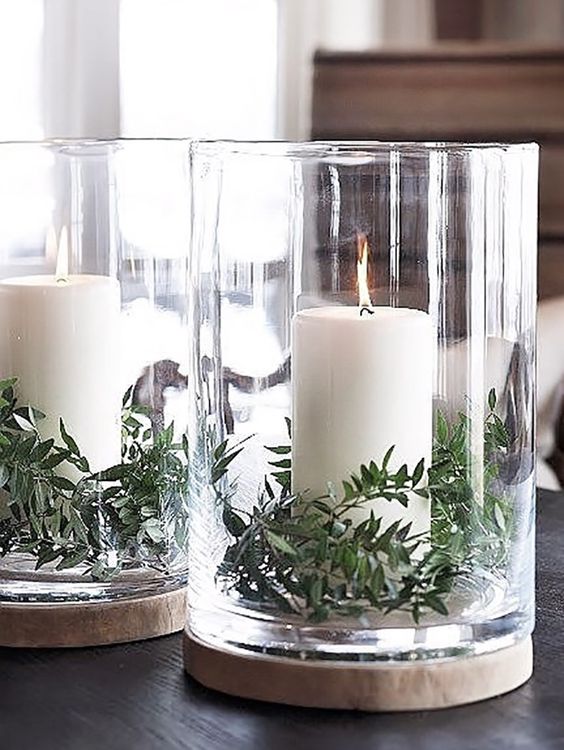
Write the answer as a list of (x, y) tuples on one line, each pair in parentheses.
[(286, 148), (88, 141), (353, 148)]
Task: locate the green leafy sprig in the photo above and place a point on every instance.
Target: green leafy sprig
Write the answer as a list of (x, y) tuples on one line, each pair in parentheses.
[(307, 557), (476, 530), (55, 509)]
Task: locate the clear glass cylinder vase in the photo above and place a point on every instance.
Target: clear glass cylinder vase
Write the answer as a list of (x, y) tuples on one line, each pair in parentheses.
[(94, 240), (362, 437)]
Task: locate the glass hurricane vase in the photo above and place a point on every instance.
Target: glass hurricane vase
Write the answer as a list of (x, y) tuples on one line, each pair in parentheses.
[(362, 430), (94, 243)]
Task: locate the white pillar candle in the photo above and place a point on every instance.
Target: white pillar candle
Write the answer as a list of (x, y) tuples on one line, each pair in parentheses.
[(59, 339), (361, 384)]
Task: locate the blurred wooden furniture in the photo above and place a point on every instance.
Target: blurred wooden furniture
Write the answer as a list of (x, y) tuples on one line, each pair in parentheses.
[(463, 92)]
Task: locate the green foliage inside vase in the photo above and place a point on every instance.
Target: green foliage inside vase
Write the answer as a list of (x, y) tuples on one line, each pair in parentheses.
[(305, 555), (130, 515)]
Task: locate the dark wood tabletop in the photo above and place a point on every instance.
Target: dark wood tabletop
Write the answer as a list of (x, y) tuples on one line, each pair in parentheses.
[(136, 697)]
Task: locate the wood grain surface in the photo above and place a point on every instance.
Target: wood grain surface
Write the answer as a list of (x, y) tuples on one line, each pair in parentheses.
[(455, 92), (380, 687), (466, 92), (92, 624), (136, 697)]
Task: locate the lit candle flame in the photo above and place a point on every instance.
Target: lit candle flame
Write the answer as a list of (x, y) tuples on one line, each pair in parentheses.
[(62, 268), (364, 301)]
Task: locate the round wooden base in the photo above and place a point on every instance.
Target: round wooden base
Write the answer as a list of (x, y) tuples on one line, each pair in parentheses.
[(411, 686), (92, 623)]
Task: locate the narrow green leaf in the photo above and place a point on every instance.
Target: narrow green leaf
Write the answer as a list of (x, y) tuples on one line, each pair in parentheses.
[(434, 601), (54, 460), (62, 483), (41, 451), (492, 399), (279, 449), (418, 473), (387, 456), (68, 440), (284, 463), (233, 522), (73, 560), (114, 473), (281, 544)]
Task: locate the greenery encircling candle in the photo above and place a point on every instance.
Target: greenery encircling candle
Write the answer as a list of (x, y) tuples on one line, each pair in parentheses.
[(129, 515), (305, 555), (309, 556)]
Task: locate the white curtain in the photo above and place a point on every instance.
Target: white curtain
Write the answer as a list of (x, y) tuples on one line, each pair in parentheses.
[(21, 32), (204, 67), (189, 67), (81, 68), (169, 68)]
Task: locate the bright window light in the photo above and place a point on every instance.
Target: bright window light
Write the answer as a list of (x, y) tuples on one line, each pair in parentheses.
[(21, 39), (199, 69), (24, 206)]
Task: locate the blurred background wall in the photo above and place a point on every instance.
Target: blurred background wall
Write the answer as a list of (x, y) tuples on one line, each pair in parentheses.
[(215, 68), (262, 69)]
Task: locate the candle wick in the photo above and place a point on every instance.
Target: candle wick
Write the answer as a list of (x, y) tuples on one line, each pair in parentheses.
[(366, 309)]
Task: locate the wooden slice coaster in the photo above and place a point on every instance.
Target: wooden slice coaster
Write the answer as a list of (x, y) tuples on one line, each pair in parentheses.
[(411, 686), (93, 623)]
